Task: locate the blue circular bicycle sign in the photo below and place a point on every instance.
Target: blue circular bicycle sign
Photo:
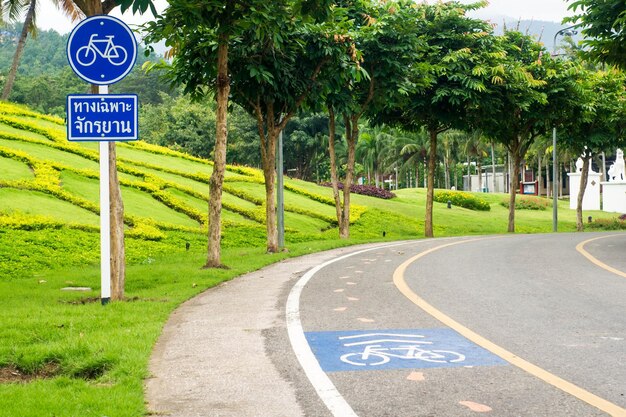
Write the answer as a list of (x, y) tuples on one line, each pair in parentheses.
[(102, 50)]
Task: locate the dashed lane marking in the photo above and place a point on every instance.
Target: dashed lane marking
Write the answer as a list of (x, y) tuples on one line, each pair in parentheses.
[(416, 376), (324, 387), (478, 408)]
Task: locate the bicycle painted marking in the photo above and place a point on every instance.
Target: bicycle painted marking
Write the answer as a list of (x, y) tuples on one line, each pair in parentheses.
[(397, 349)]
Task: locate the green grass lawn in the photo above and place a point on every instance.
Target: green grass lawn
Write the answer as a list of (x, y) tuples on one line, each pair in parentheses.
[(15, 170), (44, 152), (202, 206), (179, 179), (140, 204), (46, 124), (166, 161), (40, 204), (11, 130)]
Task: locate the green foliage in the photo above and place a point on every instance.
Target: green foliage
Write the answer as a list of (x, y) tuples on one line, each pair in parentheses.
[(523, 202), (596, 113), (452, 69), (603, 25), (180, 125), (44, 55), (461, 199), (44, 78), (614, 223)]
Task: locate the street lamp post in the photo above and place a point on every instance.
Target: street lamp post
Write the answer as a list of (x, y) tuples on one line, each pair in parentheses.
[(568, 31)]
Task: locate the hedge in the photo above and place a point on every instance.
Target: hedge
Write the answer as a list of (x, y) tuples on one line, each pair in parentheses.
[(461, 199)]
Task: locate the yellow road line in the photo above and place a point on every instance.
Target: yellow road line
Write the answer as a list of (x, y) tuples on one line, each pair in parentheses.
[(591, 399), (581, 248)]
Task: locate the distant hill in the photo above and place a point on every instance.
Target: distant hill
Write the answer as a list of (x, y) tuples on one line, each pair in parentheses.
[(44, 54), (541, 30)]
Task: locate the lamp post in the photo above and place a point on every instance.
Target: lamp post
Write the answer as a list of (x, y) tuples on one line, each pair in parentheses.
[(568, 31)]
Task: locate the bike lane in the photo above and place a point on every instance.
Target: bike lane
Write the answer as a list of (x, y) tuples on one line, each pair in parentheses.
[(400, 361)]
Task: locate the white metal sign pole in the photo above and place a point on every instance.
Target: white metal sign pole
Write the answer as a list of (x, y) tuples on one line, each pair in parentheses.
[(105, 218)]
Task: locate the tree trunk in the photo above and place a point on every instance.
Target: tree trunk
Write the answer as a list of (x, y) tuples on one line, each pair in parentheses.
[(493, 169), (214, 251), (584, 176), (118, 252), (479, 169), (352, 136), (268, 138), (469, 175), (417, 175), (430, 192), (559, 174), (334, 180), (116, 232), (269, 173), (28, 21), (517, 161), (446, 171)]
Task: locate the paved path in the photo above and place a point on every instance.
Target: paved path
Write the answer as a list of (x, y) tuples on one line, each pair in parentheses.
[(551, 299), (211, 359)]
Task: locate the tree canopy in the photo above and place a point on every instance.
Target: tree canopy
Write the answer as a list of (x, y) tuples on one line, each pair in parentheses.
[(603, 24), (449, 77)]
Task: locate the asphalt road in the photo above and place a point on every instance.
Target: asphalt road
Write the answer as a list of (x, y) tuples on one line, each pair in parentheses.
[(516, 325)]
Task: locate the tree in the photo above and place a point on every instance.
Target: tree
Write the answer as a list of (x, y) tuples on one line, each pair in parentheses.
[(188, 27), (181, 124), (603, 25), (256, 47), (476, 146), (413, 149), (28, 27), (596, 122), (13, 9), (534, 95), (382, 46), (451, 143), (457, 66), (371, 149), (276, 67), (303, 142)]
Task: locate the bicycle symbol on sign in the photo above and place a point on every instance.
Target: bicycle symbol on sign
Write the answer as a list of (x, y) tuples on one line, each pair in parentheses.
[(401, 346), (115, 54)]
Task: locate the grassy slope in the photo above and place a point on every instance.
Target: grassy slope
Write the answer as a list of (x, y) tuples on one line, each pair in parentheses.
[(49, 240)]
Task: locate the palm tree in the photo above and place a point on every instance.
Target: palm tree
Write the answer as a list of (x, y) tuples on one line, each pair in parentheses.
[(14, 9), (370, 150), (450, 141), (409, 149), (476, 146)]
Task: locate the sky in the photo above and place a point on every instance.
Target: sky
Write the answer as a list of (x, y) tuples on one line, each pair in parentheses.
[(551, 10)]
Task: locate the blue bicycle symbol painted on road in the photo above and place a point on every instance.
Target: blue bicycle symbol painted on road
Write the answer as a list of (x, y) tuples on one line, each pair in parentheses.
[(361, 350), (115, 54), (381, 348), (102, 50)]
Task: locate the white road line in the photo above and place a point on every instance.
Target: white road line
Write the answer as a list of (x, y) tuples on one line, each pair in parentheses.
[(325, 388)]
